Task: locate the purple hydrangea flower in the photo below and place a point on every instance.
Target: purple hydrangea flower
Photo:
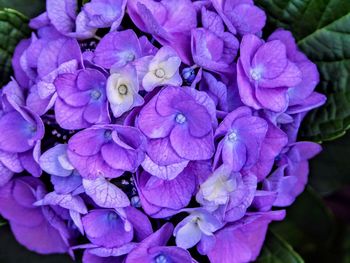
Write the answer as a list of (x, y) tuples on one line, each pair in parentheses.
[(154, 249), (55, 161), (115, 228), (264, 74), (82, 100), (33, 227), (170, 22), (216, 89), (42, 62), (240, 16), (273, 144), (73, 204), (117, 49), (21, 132), (122, 90), (212, 48), (163, 70), (107, 228), (290, 178), (162, 198), (178, 122), (245, 237), (105, 13), (309, 73), (227, 194), (197, 228), (64, 177), (62, 15), (92, 151), (243, 136)]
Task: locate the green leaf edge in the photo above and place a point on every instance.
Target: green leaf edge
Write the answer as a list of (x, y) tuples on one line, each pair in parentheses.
[(8, 15), (284, 244)]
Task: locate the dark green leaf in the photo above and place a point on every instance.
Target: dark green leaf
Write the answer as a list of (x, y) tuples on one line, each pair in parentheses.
[(309, 227), (346, 246), (276, 250), (30, 8), (322, 29), (13, 28), (330, 170), (2, 222)]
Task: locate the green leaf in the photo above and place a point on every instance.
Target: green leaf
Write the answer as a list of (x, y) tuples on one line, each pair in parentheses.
[(330, 170), (30, 8), (276, 250), (2, 222), (322, 30), (13, 28), (309, 227), (346, 246)]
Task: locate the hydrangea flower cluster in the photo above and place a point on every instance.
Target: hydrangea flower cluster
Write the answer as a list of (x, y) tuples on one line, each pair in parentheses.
[(143, 130)]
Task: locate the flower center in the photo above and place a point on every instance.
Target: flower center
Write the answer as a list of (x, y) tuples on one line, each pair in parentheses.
[(161, 259), (122, 89), (130, 57), (112, 216), (188, 74), (232, 137), (108, 135), (95, 94), (180, 118), (160, 73), (31, 128), (256, 73)]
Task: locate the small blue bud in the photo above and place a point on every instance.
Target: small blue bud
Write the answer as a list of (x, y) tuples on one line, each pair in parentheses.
[(135, 201), (188, 75), (161, 259)]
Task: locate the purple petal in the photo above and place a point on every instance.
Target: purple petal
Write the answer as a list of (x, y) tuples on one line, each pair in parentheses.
[(62, 14), (242, 241), (105, 194), (67, 201), (87, 142), (43, 239), (140, 222), (117, 48), (190, 147), (54, 161), (106, 228)]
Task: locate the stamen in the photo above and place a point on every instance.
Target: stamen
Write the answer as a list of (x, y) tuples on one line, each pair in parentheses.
[(161, 259), (123, 89), (95, 94), (112, 216), (130, 57), (180, 118), (233, 136), (160, 73), (256, 73), (108, 134)]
